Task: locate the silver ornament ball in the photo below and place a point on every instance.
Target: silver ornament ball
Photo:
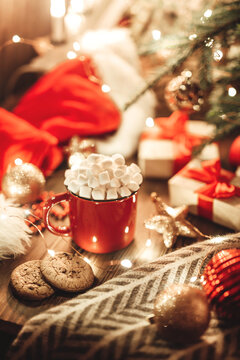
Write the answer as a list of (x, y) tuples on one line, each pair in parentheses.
[(23, 183)]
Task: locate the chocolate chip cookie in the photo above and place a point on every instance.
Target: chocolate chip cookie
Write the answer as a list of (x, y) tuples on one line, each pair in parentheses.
[(28, 283), (67, 272)]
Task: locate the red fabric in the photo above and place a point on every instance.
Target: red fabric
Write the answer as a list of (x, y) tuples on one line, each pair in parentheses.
[(65, 102), (174, 128), (234, 153), (217, 184), (19, 139)]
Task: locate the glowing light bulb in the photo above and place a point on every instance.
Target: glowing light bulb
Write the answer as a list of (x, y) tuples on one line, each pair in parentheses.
[(51, 252), (217, 55), (71, 55), (126, 263), (18, 161), (149, 122), (193, 279), (76, 46), (232, 91), (156, 34), (208, 13), (192, 36), (16, 39), (105, 88)]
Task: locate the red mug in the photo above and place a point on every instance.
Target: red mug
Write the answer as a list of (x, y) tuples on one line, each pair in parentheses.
[(98, 226)]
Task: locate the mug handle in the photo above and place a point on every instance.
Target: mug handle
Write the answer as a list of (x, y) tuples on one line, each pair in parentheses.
[(56, 199)]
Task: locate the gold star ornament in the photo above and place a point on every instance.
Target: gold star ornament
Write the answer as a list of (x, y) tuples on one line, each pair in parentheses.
[(171, 222)]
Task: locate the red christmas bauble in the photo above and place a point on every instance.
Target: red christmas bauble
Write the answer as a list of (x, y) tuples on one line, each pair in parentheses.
[(234, 152), (221, 282)]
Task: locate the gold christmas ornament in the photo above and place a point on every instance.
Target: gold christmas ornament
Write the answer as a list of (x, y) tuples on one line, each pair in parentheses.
[(182, 93), (171, 222), (79, 148), (181, 313), (23, 183)]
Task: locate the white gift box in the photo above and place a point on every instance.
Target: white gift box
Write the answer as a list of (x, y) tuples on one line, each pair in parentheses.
[(225, 211), (156, 156)]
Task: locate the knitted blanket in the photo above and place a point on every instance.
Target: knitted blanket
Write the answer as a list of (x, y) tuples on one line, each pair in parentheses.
[(110, 321)]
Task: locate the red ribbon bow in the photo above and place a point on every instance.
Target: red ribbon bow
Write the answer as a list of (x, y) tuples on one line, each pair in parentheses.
[(174, 128), (217, 184)]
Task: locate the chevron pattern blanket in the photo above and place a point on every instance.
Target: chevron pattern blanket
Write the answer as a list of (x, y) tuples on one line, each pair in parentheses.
[(110, 321)]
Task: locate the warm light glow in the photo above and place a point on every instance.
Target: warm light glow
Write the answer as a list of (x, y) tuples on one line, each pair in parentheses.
[(126, 263), (3, 216), (57, 8), (106, 88), (192, 36), (193, 279), (76, 46), (71, 55), (208, 13), (87, 260), (148, 243), (209, 42), (126, 230), (16, 39), (94, 239), (187, 73), (217, 55), (149, 122), (77, 6), (51, 252), (232, 91), (73, 23), (156, 34), (18, 161), (27, 211)]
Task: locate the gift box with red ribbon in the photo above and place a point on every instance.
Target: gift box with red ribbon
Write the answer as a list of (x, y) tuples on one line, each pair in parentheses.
[(209, 191), (167, 146)]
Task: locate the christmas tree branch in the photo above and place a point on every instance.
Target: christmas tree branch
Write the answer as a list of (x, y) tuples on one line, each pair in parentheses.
[(223, 18)]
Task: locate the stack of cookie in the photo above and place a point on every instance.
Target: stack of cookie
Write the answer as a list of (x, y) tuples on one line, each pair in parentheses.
[(39, 279)]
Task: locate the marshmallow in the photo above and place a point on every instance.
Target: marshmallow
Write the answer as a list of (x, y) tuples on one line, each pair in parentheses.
[(96, 169), (93, 182), (118, 159), (112, 194), (125, 179), (104, 178), (124, 191), (118, 173), (133, 186), (85, 192), (98, 194), (93, 158), (133, 168), (115, 183), (82, 179), (110, 173), (107, 163), (73, 186), (137, 178)]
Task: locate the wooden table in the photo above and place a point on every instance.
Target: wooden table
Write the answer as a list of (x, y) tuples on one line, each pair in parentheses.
[(14, 313)]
